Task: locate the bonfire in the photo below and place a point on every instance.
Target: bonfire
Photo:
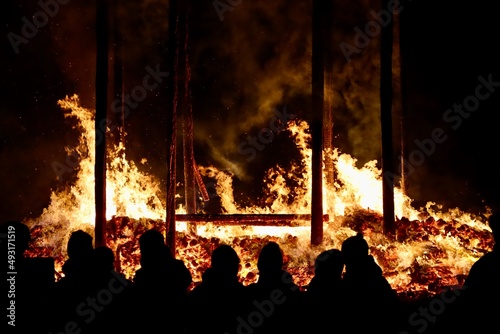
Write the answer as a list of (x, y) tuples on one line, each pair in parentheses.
[(431, 250)]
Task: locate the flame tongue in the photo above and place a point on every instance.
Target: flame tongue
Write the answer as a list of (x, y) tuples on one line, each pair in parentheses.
[(433, 249)]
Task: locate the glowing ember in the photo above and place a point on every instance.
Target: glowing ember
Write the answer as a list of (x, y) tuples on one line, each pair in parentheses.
[(432, 249)]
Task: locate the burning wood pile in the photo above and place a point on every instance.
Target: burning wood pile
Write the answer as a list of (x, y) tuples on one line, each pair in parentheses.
[(425, 257), (443, 247), (430, 250)]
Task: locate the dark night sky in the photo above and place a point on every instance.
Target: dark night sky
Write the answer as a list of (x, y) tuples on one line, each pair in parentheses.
[(254, 60)]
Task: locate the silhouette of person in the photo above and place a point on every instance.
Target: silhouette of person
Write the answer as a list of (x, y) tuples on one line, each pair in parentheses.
[(160, 286), (274, 294), (28, 282), (485, 272), (104, 262), (479, 304), (325, 292), (327, 279), (370, 303), (77, 284), (216, 305), (159, 266), (80, 250), (103, 311)]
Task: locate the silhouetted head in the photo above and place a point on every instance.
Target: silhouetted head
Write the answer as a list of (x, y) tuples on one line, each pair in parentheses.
[(354, 249), (80, 245), (151, 240), (21, 233), (153, 249), (104, 259), (225, 260), (494, 223), (270, 258), (329, 263)]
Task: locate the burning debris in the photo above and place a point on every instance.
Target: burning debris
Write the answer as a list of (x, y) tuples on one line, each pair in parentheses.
[(431, 250), (421, 262)]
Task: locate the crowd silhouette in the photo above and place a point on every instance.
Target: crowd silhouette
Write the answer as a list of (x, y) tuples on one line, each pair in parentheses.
[(347, 294)]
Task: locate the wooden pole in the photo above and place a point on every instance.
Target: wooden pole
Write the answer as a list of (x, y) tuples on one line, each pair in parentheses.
[(317, 121), (396, 90), (118, 66), (101, 84), (171, 126), (386, 123), (118, 84), (400, 79), (328, 91), (199, 182), (187, 117)]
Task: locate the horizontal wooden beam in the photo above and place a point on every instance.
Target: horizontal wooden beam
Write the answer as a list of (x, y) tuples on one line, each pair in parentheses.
[(246, 219)]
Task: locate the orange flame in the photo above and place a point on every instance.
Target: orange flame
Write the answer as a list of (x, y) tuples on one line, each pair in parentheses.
[(442, 245)]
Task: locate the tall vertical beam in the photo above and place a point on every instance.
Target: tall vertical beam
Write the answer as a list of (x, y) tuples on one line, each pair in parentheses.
[(187, 116), (171, 127), (396, 91), (118, 67), (316, 119), (117, 91), (386, 96), (399, 78), (101, 85), (328, 91)]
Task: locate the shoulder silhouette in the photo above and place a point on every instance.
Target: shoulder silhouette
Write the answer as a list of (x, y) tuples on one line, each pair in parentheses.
[(325, 293), (160, 287), (77, 283), (370, 301), (158, 267), (327, 280), (80, 250), (479, 303), (216, 303), (275, 298), (485, 272), (103, 310)]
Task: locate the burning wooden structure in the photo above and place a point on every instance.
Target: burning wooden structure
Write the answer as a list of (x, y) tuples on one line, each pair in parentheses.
[(180, 107), (415, 252)]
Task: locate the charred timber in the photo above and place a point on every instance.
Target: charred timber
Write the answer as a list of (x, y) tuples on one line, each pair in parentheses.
[(101, 106), (328, 91), (201, 185), (186, 112), (398, 20), (247, 219), (386, 104), (171, 126), (316, 120)]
